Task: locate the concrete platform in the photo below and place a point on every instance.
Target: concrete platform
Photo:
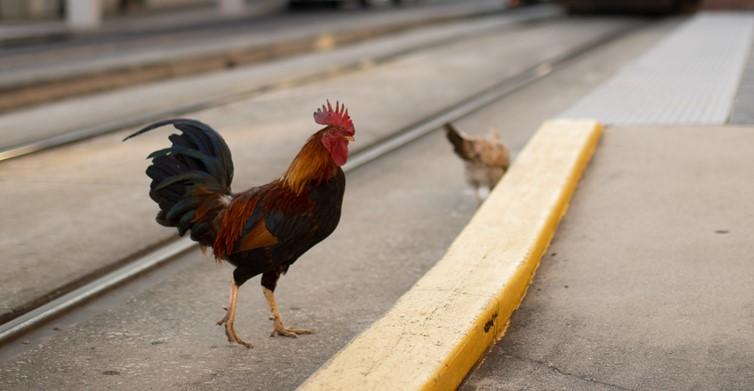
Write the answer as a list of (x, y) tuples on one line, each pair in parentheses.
[(648, 281), (743, 104), (690, 77)]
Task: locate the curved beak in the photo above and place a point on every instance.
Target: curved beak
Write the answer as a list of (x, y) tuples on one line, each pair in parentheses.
[(350, 138)]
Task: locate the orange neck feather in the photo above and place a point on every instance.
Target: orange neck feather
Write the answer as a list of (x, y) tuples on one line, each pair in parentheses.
[(312, 164)]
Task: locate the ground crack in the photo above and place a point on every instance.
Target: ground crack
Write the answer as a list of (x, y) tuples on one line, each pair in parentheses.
[(568, 374)]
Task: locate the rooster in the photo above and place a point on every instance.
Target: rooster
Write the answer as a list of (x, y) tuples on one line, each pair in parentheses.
[(486, 159), (265, 229)]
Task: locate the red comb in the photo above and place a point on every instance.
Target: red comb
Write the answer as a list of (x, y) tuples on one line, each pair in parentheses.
[(338, 117)]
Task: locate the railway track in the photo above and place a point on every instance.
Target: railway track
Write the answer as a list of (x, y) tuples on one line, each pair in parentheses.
[(327, 72), (130, 58), (379, 149)]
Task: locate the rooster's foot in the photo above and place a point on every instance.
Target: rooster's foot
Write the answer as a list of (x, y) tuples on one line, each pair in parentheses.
[(230, 332), (289, 332)]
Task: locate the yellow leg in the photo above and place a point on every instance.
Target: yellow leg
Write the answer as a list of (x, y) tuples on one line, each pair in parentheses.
[(280, 328), (230, 317)]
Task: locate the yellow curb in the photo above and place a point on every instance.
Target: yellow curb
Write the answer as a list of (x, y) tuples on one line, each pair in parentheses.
[(445, 323)]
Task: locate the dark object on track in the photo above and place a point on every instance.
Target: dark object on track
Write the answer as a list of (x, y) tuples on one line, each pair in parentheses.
[(336, 3), (628, 6)]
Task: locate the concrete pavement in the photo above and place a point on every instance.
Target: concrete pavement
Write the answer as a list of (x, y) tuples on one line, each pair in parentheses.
[(166, 317), (162, 334), (94, 192), (647, 284)]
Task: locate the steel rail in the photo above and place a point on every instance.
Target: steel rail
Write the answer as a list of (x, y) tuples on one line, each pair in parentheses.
[(370, 153), (328, 72)]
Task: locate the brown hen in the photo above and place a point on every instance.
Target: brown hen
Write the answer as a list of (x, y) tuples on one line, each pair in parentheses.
[(486, 159)]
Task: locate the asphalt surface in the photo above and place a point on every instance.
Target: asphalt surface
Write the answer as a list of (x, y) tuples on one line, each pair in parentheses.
[(647, 284), (96, 212), (400, 214)]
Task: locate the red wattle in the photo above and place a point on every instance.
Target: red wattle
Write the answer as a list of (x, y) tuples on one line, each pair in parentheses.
[(338, 148), (339, 152)]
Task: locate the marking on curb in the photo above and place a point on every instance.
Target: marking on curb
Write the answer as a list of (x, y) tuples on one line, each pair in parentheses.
[(440, 328)]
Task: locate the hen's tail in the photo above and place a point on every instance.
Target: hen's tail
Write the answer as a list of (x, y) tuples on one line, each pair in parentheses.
[(190, 179), (461, 145)]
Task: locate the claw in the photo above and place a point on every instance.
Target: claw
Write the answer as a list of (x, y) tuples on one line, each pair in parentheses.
[(289, 332), (280, 328), (233, 338), (230, 332), (224, 318)]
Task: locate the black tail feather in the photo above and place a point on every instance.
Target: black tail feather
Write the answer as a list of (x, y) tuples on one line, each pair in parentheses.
[(194, 173)]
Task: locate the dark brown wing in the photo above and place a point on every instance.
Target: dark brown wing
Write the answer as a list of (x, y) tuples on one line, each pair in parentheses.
[(258, 218), (257, 237)]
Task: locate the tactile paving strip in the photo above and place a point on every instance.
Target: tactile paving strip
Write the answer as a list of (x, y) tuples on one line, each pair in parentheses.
[(689, 78)]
